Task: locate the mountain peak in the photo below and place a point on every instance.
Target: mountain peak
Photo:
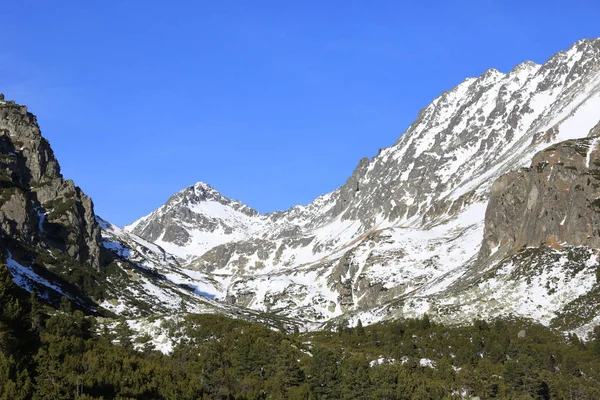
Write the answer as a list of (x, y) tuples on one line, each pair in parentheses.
[(526, 65), (197, 192), (196, 219), (582, 49), (586, 41), (202, 186), (493, 72)]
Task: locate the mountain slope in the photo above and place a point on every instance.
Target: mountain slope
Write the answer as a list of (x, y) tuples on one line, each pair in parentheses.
[(418, 228), (540, 253), (148, 282), (47, 224)]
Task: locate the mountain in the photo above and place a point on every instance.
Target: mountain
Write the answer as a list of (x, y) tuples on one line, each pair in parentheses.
[(54, 244), (485, 207), (404, 234), (196, 219)]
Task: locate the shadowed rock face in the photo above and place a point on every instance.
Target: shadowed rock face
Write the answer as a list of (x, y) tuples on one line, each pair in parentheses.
[(37, 206), (555, 202)]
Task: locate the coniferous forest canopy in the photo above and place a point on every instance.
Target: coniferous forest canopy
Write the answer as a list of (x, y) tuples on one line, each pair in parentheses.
[(65, 354)]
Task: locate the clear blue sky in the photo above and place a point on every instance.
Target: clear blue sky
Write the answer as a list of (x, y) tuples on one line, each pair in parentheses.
[(271, 102)]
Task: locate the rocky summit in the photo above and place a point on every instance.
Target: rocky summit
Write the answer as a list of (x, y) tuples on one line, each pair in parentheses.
[(486, 206)]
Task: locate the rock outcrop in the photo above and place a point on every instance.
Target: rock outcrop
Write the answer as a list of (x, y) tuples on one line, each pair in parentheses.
[(38, 207), (555, 202)]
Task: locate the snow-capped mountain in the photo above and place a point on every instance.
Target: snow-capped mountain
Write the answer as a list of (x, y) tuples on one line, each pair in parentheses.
[(408, 224), (196, 219), (487, 205)]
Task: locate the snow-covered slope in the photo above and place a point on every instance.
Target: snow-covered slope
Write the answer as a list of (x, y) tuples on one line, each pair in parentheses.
[(408, 222), (147, 281)]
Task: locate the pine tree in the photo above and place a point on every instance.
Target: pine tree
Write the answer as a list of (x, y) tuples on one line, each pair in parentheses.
[(342, 326), (288, 372), (35, 314), (425, 322), (124, 334), (355, 380), (9, 302), (65, 305), (596, 340), (324, 373), (287, 364), (10, 312), (360, 330)]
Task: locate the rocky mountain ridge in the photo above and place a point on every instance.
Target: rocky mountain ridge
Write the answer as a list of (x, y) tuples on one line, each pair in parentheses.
[(539, 257), (454, 142), (410, 220)]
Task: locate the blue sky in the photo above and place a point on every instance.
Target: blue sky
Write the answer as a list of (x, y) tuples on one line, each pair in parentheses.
[(271, 102)]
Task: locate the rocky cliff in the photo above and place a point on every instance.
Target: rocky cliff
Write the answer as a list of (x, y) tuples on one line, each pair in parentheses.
[(554, 202), (37, 206)]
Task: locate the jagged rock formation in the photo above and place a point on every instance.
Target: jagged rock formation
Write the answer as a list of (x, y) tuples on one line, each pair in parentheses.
[(37, 206)]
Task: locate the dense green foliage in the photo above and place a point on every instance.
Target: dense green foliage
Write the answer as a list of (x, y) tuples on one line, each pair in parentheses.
[(63, 354)]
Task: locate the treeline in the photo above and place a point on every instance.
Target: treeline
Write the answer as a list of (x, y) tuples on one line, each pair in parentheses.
[(63, 354)]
